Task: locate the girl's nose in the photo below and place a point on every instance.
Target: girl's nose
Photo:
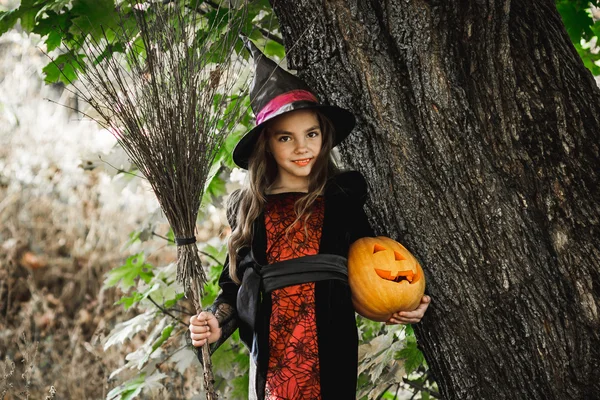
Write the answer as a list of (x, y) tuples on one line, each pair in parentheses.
[(301, 146)]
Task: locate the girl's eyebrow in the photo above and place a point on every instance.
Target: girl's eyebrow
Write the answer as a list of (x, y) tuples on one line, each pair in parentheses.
[(282, 132)]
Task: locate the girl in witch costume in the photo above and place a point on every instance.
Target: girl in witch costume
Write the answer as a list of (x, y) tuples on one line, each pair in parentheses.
[(284, 284)]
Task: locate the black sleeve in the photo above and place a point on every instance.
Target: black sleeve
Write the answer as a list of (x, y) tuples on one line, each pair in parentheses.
[(358, 194), (361, 226), (224, 306)]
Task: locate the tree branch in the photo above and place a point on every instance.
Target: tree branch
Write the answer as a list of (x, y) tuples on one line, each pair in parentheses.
[(420, 387), (164, 310)]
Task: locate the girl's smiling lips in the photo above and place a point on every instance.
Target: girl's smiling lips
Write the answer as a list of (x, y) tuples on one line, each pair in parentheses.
[(303, 161)]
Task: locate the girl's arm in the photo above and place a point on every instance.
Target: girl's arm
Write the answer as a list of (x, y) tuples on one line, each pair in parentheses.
[(222, 314), (219, 320), (223, 307)]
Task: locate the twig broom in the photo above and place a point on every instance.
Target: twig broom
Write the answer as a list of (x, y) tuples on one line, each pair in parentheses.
[(163, 87)]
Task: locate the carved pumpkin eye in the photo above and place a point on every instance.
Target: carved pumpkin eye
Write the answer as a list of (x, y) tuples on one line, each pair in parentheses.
[(377, 248), (382, 284)]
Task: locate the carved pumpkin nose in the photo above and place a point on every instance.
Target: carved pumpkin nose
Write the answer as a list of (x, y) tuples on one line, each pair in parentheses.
[(384, 278)]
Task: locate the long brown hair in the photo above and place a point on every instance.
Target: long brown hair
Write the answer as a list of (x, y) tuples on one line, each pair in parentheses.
[(262, 171)]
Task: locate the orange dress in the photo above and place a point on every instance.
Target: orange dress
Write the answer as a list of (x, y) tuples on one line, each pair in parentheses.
[(293, 372)]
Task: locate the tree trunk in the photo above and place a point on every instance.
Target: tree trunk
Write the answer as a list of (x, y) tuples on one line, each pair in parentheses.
[(478, 132)]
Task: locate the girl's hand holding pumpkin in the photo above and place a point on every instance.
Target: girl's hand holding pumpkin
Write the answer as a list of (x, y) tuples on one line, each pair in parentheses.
[(410, 317), (203, 327)]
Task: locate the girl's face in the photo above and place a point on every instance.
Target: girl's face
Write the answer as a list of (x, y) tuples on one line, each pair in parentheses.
[(295, 140)]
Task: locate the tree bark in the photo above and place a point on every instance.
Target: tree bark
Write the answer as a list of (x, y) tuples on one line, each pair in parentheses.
[(478, 129)]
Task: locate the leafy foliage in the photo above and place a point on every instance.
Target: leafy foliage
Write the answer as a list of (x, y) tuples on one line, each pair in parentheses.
[(135, 267), (582, 29), (133, 387), (576, 17), (159, 302), (389, 361), (412, 356)]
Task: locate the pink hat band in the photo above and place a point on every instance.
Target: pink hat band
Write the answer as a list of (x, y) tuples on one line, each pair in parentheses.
[(276, 103)]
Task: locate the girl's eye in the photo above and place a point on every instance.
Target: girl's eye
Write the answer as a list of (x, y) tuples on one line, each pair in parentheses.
[(283, 138), (313, 134)]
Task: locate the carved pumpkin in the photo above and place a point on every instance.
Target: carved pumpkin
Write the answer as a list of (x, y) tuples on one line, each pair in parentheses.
[(384, 278)]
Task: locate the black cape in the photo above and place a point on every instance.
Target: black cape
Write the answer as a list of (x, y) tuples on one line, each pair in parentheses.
[(344, 222)]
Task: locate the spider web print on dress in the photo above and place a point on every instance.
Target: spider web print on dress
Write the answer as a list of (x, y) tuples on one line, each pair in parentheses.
[(293, 372)]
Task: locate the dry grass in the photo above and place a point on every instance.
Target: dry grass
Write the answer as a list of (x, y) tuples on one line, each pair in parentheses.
[(51, 301)]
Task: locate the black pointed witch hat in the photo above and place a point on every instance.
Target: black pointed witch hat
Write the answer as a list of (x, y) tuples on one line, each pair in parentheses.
[(275, 91)]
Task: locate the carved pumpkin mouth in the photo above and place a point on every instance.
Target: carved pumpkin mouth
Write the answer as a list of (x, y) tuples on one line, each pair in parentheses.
[(399, 276)]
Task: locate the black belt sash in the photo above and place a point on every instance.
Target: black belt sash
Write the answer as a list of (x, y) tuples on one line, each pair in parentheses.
[(267, 278)]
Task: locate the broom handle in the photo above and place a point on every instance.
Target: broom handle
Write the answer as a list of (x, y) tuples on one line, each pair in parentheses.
[(209, 379)]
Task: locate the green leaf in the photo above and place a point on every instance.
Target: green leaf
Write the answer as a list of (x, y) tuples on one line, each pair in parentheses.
[(274, 49), (131, 394), (134, 237), (133, 387), (368, 329), (129, 301), (108, 51), (96, 17), (231, 361), (216, 252), (256, 6), (57, 5), (239, 386), (127, 329), (170, 303), (52, 72), (240, 106), (589, 59), (129, 389), (165, 334), (53, 22), (134, 267), (8, 19), (413, 358), (27, 12), (55, 27), (171, 237), (215, 188), (576, 18), (217, 19), (53, 40), (64, 68)]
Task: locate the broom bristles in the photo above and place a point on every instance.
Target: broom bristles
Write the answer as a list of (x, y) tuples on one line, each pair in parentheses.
[(166, 102)]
